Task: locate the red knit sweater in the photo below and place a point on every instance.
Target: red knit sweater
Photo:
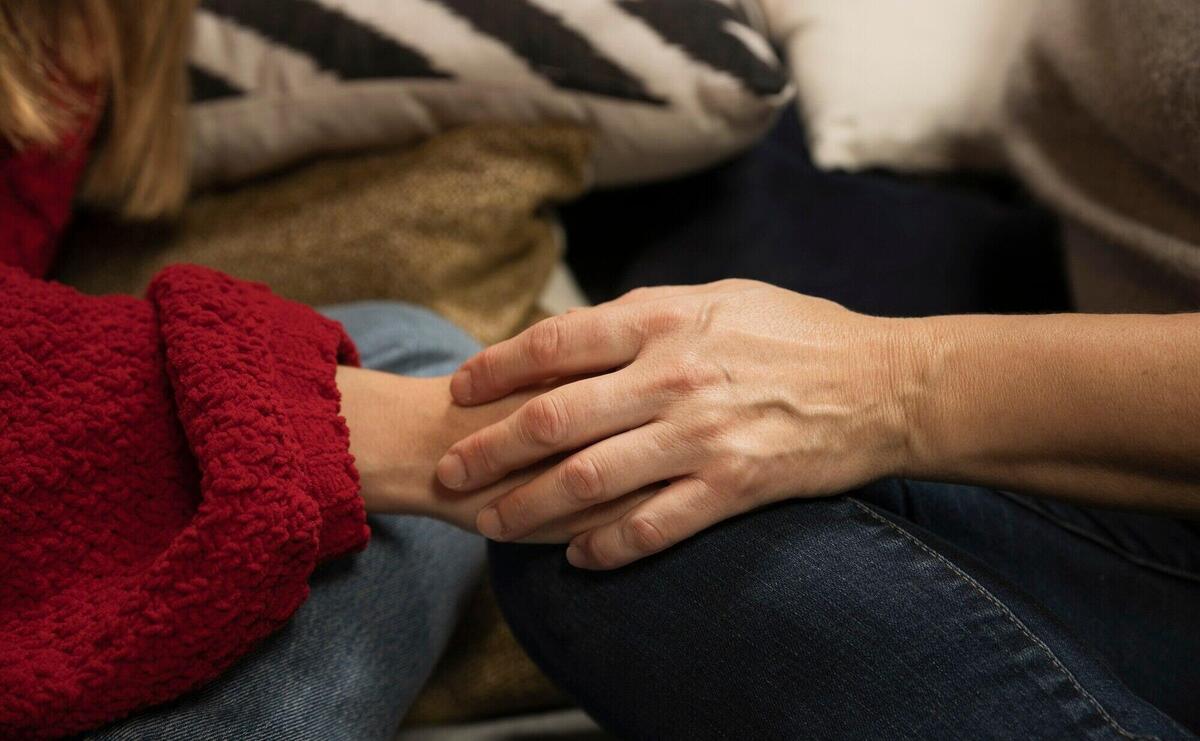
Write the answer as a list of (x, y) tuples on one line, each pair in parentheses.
[(171, 470)]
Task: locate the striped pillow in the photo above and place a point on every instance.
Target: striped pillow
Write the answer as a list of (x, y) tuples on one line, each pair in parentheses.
[(669, 85)]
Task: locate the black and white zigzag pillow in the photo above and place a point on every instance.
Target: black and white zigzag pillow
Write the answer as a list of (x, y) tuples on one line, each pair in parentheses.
[(670, 85)]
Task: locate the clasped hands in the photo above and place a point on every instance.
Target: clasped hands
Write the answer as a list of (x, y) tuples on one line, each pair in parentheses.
[(630, 426), (638, 423)]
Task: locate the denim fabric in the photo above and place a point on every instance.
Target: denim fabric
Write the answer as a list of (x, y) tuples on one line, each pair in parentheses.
[(354, 656), (910, 610)]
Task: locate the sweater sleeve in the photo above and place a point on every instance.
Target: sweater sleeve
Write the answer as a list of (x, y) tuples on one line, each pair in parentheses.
[(37, 186), (171, 471)]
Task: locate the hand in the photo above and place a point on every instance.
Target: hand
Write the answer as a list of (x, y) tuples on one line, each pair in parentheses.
[(401, 425), (737, 393)]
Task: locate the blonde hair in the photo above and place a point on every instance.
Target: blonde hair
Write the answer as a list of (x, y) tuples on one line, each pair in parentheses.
[(130, 52)]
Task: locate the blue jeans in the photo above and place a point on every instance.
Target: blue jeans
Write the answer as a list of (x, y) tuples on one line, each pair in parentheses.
[(355, 655), (908, 610)]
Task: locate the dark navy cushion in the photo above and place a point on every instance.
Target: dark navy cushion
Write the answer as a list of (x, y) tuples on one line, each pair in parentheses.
[(876, 242)]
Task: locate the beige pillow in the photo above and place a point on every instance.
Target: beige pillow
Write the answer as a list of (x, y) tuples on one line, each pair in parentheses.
[(912, 85), (459, 224)]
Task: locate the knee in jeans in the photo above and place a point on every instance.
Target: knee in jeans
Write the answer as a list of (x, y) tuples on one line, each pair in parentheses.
[(403, 338), (798, 542)]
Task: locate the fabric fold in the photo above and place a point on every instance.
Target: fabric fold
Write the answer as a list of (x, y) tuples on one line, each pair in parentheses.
[(254, 380), (171, 472)]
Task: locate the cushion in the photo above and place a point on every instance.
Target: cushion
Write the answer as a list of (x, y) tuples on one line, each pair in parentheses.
[(459, 224), (669, 85), (914, 86)]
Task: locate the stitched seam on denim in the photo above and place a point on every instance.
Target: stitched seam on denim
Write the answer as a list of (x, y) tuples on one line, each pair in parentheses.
[(1011, 617), (1074, 529)]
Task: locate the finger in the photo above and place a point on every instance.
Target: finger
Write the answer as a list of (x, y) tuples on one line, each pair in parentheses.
[(676, 513), (559, 420), (608, 470), (566, 528), (587, 341), (462, 511), (655, 293)]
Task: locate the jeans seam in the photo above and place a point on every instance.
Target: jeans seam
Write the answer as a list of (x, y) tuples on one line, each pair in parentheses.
[(1008, 613)]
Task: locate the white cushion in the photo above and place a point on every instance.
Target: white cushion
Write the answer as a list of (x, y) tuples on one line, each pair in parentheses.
[(911, 85), (669, 85)]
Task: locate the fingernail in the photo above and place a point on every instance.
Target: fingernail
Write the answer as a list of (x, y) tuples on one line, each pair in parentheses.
[(451, 471), (574, 555), (462, 386), (489, 524)]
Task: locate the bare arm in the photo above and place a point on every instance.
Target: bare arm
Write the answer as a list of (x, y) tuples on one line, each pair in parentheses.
[(1101, 409), (737, 394)]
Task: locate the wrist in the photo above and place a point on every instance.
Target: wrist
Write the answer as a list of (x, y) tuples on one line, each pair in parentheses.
[(394, 424), (918, 357), (955, 407), (400, 426)]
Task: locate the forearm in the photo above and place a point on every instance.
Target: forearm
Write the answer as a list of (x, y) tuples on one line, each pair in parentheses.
[(1099, 409), (739, 394), (399, 426)]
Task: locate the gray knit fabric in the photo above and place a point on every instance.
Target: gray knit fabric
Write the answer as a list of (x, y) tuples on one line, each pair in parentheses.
[(1103, 122)]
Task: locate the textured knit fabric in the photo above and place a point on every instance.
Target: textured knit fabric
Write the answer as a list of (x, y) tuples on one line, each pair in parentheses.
[(171, 471), (1103, 122), (36, 189), (458, 224), (352, 658)]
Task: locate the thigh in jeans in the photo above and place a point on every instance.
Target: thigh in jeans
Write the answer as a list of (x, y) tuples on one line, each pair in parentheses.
[(356, 654), (1126, 584), (813, 619)]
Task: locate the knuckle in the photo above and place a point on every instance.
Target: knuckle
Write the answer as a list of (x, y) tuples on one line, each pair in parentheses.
[(477, 456), (690, 375), (545, 420), (737, 283), (598, 555), (708, 429), (513, 512), (737, 476), (484, 367), (714, 497), (645, 533), (666, 319), (741, 473), (581, 479), (545, 341), (707, 491)]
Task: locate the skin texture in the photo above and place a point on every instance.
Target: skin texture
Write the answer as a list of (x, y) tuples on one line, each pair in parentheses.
[(400, 426), (713, 400)]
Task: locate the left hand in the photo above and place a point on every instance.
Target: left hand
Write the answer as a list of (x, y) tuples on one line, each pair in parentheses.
[(737, 393)]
